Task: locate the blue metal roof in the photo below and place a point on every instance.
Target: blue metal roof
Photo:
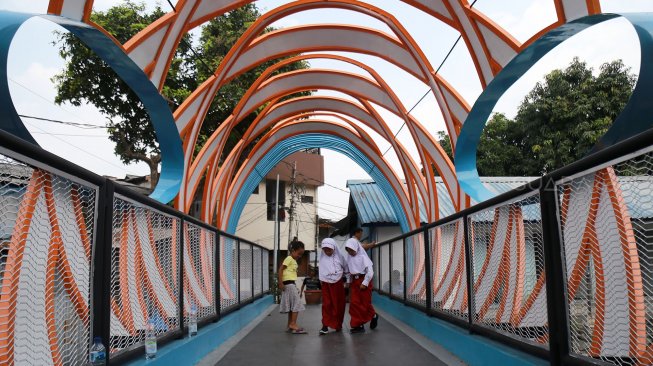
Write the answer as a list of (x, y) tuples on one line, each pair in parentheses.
[(374, 209), (371, 204)]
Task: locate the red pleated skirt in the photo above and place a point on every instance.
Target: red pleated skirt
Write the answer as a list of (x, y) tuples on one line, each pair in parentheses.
[(360, 303), (333, 304)]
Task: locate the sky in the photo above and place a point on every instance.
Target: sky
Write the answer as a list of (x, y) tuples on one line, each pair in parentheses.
[(33, 61)]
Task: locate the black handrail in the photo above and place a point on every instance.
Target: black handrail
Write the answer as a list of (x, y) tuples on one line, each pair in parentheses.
[(107, 191), (558, 352)]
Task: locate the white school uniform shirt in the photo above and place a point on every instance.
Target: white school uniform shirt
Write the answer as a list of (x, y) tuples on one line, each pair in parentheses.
[(333, 267), (360, 263)]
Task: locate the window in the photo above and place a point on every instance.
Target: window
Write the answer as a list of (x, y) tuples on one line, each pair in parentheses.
[(307, 199), (270, 191)]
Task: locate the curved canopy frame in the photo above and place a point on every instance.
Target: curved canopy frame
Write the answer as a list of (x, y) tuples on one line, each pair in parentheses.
[(490, 47), (289, 83), (356, 148)]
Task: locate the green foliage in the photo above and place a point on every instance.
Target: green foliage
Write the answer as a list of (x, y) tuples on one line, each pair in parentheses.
[(87, 79), (557, 123)]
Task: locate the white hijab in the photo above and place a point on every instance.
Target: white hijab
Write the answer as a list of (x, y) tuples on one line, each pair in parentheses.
[(359, 262), (332, 267)]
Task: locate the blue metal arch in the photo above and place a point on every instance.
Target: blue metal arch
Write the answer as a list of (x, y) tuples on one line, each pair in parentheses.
[(306, 141), (635, 118), (172, 154)]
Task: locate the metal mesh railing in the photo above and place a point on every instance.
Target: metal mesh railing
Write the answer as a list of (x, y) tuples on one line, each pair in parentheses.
[(81, 259), (229, 272), (46, 238), (55, 229), (199, 271), (395, 285), (144, 273), (384, 265), (508, 269), (377, 267), (415, 269), (245, 272), (258, 271), (448, 270), (266, 271), (606, 224)]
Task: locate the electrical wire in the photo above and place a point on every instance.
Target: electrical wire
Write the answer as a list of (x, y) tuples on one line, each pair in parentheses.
[(245, 218), (313, 179), (328, 204), (67, 134), (42, 97), (253, 220), (67, 123), (429, 90), (253, 215), (85, 151)]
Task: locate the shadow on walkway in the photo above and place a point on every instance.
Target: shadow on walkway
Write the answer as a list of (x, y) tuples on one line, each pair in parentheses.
[(268, 344)]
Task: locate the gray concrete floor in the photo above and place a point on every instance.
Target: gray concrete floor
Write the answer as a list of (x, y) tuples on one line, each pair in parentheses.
[(268, 344)]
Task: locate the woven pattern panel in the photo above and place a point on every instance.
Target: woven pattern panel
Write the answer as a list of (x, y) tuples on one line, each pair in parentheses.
[(607, 234), (47, 225), (508, 268), (145, 267), (448, 270), (199, 271)]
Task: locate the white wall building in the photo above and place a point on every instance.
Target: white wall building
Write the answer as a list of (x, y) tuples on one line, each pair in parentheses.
[(257, 219)]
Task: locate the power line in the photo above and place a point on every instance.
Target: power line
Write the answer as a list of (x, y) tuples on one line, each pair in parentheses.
[(67, 134), (42, 97), (67, 123), (255, 213), (85, 151), (307, 214), (328, 204), (327, 210), (429, 90), (192, 50), (75, 124), (315, 180), (253, 220)]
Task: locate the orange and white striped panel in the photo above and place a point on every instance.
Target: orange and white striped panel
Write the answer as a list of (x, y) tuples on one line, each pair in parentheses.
[(45, 285)]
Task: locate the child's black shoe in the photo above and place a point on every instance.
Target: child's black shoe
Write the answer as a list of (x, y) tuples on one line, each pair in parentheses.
[(359, 329), (324, 330), (374, 322)]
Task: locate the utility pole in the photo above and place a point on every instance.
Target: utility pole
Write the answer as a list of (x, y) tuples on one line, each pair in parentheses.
[(293, 201), (317, 233), (276, 237)]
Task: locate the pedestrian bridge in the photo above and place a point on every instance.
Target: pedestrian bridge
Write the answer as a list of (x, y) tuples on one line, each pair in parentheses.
[(555, 272)]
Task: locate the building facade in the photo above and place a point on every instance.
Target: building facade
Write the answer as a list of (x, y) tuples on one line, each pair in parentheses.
[(299, 220)]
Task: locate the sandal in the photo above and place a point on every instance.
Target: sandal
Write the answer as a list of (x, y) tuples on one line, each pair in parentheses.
[(298, 331)]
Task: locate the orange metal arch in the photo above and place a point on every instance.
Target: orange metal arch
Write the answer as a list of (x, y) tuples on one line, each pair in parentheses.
[(285, 131), (397, 104)]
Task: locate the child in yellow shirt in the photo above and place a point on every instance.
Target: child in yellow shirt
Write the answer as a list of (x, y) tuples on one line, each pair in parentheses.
[(291, 303)]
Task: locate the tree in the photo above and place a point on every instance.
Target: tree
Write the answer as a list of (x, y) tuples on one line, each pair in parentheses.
[(557, 123), (86, 78)]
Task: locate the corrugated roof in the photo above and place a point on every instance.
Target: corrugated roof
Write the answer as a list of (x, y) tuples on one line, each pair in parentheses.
[(373, 207), (370, 202)]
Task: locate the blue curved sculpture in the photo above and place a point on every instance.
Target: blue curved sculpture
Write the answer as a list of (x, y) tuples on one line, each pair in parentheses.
[(313, 140), (172, 156), (636, 117)]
